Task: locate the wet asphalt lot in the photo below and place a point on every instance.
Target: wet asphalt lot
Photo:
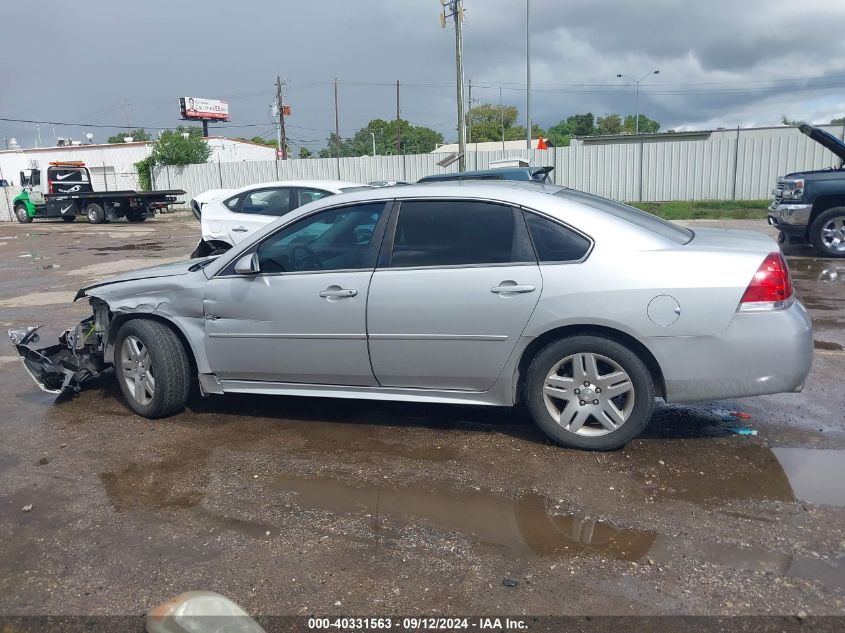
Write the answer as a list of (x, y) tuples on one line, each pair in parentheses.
[(300, 506)]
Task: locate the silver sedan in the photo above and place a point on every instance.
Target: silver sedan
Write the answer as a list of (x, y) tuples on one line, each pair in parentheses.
[(582, 308)]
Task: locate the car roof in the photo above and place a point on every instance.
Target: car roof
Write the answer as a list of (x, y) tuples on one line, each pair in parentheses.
[(589, 219), (328, 185), (495, 171)]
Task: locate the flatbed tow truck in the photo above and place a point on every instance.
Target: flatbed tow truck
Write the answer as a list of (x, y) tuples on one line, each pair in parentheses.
[(66, 192)]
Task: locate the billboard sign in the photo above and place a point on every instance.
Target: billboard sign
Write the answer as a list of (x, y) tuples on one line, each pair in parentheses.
[(203, 109)]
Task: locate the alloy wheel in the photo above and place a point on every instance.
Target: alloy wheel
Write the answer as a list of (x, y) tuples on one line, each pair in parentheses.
[(833, 234), (588, 394), (136, 368)]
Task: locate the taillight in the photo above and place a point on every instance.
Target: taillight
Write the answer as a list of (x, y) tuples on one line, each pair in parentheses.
[(771, 286), (49, 186)]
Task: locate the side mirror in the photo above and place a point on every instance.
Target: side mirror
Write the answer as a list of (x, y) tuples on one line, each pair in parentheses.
[(248, 265)]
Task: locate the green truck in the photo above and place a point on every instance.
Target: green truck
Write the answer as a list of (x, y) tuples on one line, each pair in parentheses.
[(65, 192)]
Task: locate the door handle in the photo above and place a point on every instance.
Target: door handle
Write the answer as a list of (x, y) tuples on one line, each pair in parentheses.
[(512, 287), (330, 293), (240, 229)]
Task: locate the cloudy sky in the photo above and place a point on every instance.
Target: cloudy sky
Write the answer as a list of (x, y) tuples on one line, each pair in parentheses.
[(721, 62)]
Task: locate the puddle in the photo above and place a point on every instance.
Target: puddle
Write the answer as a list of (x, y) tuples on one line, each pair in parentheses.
[(525, 524), (172, 484), (834, 347), (143, 246), (816, 475), (812, 269)]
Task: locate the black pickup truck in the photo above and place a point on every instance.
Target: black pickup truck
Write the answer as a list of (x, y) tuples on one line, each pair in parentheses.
[(68, 192), (809, 206)]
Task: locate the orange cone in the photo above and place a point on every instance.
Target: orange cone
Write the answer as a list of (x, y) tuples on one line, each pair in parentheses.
[(541, 143)]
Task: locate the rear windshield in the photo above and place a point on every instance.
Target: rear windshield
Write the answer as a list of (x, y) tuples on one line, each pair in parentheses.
[(643, 219)]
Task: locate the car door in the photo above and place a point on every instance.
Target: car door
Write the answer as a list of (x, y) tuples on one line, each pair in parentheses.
[(452, 295), (302, 318), (251, 210)]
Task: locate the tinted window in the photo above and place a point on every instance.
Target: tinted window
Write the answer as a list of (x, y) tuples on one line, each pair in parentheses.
[(553, 242), (232, 203), (310, 195), (68, 175), (449, 233), (335, 239), (267, 202), (644, 220)]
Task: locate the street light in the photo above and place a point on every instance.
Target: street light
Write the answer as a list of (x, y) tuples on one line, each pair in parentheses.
[(637, 81), (373, 134)]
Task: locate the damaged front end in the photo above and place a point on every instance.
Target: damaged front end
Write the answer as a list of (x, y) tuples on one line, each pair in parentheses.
[(74, 361)]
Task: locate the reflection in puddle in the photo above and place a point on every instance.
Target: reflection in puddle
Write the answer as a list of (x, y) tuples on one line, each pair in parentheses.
[(527, 525), (524, 524), (816, 475)]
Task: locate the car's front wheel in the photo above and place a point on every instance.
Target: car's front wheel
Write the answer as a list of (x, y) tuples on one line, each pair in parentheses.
[(152, 368), (827, 232), (589, 392)]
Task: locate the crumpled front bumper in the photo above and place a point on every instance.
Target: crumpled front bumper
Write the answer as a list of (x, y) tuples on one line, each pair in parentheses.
[(57, 368)]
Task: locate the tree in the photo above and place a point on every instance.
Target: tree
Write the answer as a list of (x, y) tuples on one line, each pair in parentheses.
[(485, 123), (575, 125), (647, 126), (609, 124), (415, 140), (785, 120), (259, 140), (182, 146), (304, 152), (839, 121), (137, 135)]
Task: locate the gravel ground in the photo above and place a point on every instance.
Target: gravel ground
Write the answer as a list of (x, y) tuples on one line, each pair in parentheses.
[(298, 506)]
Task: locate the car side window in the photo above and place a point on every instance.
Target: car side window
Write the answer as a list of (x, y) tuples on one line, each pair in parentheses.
[(335, 239), (310, 195), (232, 203), (273, 202), (554, 242), (454, 233)]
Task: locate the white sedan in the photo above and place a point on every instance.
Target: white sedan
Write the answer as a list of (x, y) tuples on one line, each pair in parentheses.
[(228, 216)]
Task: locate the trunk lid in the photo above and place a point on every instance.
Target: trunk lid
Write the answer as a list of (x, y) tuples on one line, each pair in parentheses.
[(733, 240)]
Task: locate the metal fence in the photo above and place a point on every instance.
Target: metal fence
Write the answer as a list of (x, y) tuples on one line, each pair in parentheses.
[(721, 168)]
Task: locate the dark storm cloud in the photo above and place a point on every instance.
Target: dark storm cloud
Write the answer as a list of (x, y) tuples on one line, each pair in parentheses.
[(83, 58)]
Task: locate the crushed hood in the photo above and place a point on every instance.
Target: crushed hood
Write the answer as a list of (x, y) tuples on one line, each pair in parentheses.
[(165, 270), (825, 139)]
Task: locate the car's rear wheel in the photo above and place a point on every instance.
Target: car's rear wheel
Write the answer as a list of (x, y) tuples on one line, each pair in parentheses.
[(827, 233), (589, 392), (68, 218), (152, 368), (136, 216), (21, 214)]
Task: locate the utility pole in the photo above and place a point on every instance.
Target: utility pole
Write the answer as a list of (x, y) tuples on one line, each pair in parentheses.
[(456, 12), (398, 123), (469, 110), (528, 72), (280, 106), (336, 129), (502, 113), (126, 112)]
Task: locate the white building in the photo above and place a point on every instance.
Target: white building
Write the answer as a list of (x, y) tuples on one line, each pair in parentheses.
[(113, 165)]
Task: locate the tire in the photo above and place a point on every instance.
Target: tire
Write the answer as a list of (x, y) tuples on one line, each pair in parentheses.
[(827, 232), (161, 356), (68, 218), (135, 217), (22, 215), (555, 365), (95, 213)]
